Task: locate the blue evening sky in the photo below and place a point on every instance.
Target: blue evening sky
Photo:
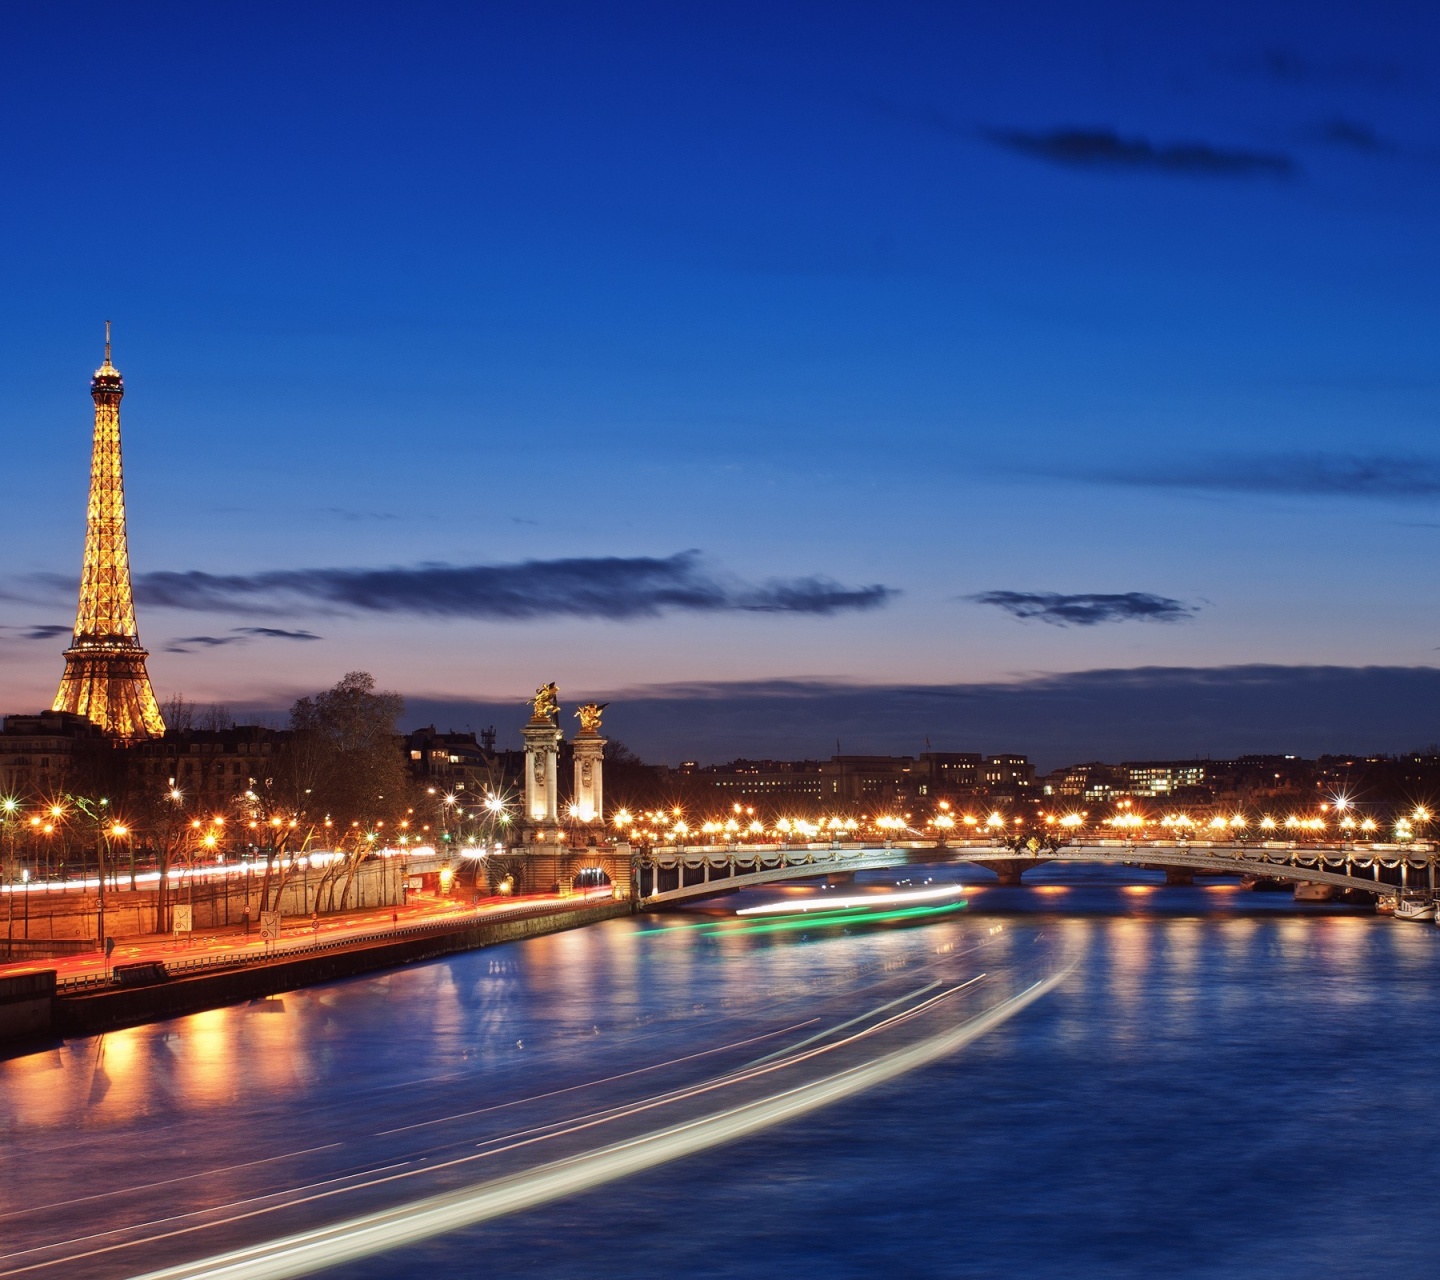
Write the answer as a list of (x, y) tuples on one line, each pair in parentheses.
[(860, 344)]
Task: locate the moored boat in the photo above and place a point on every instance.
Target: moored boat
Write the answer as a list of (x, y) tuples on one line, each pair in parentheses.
[(1415, 908), (1311, 891)]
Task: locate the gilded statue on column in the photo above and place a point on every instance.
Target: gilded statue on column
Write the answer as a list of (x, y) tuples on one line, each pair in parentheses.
[(589, 716), (547, 701)]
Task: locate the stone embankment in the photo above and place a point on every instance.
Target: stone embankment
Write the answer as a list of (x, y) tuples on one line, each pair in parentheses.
[(31, 1009)]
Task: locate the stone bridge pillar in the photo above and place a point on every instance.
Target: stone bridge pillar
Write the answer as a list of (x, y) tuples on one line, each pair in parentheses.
[(589, 794), (1010, 870), (542, 747)]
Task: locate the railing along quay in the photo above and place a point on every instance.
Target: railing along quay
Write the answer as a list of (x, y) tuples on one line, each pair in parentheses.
[(70, 984)]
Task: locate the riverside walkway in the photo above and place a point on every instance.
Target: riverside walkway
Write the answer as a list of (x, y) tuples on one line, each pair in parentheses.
[(232, 946)]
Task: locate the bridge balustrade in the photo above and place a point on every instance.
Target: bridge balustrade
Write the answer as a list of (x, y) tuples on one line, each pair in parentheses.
[(759, 864)]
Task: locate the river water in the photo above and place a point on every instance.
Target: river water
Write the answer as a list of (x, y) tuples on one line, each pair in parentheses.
[(1093, 1076)]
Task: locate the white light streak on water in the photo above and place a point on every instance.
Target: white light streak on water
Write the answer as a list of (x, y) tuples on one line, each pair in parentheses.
[(387, 1230), (827, 902)]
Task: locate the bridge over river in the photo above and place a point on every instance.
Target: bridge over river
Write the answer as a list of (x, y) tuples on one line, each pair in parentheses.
[(666, 874)]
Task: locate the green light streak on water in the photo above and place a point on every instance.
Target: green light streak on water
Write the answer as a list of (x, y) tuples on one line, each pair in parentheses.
[(855, 915), (828, 916)]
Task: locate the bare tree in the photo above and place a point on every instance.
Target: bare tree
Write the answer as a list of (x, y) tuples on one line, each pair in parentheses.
[(347, 737), (178, 713), (214, 718)]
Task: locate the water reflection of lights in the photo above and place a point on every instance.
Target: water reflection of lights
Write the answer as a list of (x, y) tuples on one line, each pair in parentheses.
[(1140, 889), (827, 902)]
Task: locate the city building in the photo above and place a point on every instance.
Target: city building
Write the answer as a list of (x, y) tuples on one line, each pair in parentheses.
[(210, 766), (40, 755), (1008, 776)]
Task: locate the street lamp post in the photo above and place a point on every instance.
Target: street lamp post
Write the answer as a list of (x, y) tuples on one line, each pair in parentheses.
[(8, 807)]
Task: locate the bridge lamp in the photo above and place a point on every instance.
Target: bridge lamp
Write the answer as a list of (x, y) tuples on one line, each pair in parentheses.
[(1268, 823), (1071, 820), (1237, 821), (994, 820), (1368, 825)]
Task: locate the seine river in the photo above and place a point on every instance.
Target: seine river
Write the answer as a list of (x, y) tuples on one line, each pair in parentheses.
[(1095, 1076)]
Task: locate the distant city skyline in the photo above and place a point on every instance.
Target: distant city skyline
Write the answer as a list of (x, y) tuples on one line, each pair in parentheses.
[(1034, 381)]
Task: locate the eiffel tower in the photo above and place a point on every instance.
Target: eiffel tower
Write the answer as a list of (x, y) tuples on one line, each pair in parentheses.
[(105, 678)]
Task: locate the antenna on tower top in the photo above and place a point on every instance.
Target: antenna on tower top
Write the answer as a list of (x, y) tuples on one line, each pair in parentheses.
[(107, 342)]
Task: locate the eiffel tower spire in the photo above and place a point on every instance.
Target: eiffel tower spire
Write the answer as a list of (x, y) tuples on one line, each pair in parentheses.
[(105, 678)]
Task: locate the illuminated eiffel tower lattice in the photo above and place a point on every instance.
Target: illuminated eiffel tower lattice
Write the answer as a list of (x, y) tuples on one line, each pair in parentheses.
[(105, 678)]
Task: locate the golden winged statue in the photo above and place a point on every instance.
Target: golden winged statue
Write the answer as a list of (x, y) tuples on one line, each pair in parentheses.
[(547, 701), (589, 716)]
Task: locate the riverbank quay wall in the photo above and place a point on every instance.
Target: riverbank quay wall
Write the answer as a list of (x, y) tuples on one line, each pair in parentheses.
[(73, 914), (91, 1012)]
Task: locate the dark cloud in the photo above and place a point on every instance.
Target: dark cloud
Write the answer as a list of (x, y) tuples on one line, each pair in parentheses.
[(603, 587), (1342, 475), (1087, 609), (43, 631), (1285, 66), (1105, 149), (1351, 134), (189, 644), (344, 513), (1136, 714), (278, 633)]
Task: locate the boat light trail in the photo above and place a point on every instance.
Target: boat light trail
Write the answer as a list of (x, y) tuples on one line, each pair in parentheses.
[(309, 1251), (820, 919), (828, 903)]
